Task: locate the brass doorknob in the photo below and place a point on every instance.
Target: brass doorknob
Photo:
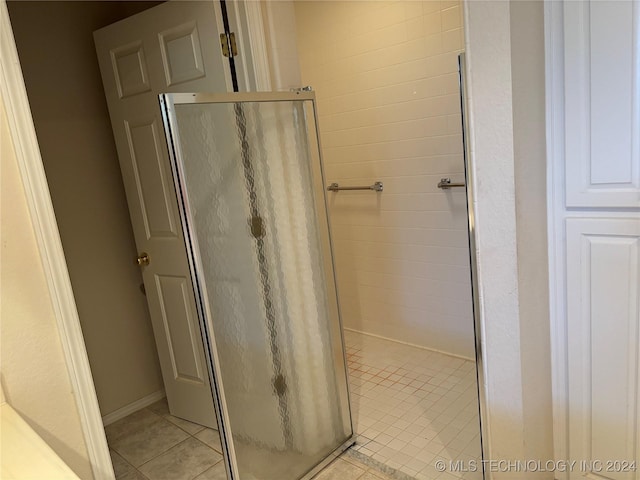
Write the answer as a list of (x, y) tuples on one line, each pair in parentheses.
[(143, 259)]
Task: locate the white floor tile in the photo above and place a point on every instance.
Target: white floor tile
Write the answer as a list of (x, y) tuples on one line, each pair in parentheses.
[(416, 405)]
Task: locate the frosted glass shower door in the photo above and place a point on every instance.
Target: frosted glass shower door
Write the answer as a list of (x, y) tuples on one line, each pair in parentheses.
[(248, 173)]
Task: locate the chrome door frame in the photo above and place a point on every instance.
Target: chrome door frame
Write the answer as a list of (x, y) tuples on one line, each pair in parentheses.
[(167, 103), (473, 261)]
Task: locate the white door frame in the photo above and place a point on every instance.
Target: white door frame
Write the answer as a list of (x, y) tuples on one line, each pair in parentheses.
[(504, 317), (555, 215), (23, 135)]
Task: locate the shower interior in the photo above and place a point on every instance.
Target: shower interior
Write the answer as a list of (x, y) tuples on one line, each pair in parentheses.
[(388, 95)]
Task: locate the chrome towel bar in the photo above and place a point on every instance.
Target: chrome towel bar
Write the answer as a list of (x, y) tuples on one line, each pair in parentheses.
[(334, 187), (445, 184)]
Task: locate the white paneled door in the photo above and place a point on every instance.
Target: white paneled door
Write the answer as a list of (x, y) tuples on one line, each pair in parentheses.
[(593, 101), (174, 47), (602, 347)]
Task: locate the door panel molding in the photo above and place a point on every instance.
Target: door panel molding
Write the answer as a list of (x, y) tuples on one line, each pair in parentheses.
[(185, 368), (155, 224), (125, 60), (172, 48)]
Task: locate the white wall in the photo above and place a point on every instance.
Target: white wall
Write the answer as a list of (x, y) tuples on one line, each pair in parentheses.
[(33, 374), (74, 133), (506, 84), (488, 48), (385, 75), (528, 90)]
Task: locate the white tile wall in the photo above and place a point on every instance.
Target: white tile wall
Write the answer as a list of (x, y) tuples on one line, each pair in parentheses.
[(385, 74)]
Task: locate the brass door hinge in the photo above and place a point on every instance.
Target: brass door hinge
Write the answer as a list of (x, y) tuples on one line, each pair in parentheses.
[(228, 44)]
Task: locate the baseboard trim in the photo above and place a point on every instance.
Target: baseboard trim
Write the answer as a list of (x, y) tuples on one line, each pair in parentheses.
[(411, 344), (133, 407)]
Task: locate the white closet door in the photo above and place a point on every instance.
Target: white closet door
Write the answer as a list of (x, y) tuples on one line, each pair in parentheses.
[(603, 110), (593, 104), (602, 317)]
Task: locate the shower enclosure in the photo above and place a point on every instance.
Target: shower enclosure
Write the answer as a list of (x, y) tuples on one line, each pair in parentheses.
[(249, 180)]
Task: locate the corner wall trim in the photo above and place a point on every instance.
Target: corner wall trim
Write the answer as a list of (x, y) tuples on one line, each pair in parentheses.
[(132, 407), (258, 44), (554, 92), (45, 227)]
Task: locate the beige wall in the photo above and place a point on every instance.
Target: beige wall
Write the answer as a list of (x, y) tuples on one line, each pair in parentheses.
[(56, 50), (385, 74), (33, 372), (528, 80)]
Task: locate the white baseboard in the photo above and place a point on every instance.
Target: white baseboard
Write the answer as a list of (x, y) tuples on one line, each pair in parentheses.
[(411, 344), (132, 407)]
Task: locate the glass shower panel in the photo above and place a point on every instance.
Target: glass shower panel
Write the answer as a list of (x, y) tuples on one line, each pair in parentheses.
[(253, 200)]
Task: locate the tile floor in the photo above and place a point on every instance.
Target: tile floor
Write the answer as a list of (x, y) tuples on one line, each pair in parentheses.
[(151, 444), (412, 407)]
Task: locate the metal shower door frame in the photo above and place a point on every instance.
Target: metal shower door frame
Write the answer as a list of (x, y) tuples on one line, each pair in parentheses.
[(473, 261), (167, 103)]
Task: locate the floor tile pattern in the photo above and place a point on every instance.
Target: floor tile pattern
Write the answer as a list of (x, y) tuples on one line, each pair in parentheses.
[(412, 407), (152, 444)]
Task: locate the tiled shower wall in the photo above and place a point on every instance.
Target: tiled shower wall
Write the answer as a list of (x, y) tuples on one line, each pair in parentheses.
[(385, 75)]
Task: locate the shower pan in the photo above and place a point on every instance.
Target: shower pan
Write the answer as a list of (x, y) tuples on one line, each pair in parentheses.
[(248, 175)]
